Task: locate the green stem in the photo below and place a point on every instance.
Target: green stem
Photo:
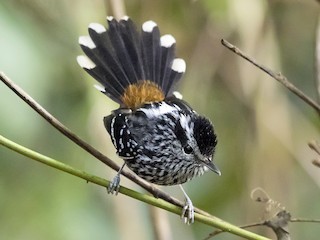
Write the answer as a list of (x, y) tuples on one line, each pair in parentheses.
[(211, 221)]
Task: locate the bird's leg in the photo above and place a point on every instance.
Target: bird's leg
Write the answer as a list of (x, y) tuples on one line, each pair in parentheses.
[(188, 209), (115, 183)]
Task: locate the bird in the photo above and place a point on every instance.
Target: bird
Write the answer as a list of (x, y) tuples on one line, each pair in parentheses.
[(157, 134)]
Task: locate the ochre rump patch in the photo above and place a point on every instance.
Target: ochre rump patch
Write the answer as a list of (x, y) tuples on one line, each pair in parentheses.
[(141, 92)]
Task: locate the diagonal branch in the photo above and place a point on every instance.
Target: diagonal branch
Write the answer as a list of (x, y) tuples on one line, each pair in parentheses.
[(277, 76), (86, 176), (211, 221), (87, 147)]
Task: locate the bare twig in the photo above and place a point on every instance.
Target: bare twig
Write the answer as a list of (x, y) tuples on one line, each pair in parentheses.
[(277, 76), (259, 224), (304, 220), (278, 218), (219, 231)]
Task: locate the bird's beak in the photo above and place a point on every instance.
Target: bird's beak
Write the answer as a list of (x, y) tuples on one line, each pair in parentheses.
[(212, 167)]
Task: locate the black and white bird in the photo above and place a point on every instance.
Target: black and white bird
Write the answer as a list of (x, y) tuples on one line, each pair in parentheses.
[(157, 134)]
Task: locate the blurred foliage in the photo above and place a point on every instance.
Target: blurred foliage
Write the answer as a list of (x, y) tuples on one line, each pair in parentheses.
[(263, 129)]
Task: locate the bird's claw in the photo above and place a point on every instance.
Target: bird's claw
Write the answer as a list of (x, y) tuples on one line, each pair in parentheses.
[(114, 185), (188, 212)]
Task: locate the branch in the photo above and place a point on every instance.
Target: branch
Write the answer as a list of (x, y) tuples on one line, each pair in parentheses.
[(219, 231), (277, 76), (86, 176), (304, 220), (259, 224), (87, 147), (278, 223), (201, 215), (211, 221)]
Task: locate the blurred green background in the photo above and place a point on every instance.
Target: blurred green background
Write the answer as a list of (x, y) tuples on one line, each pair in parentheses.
[(263, 129)]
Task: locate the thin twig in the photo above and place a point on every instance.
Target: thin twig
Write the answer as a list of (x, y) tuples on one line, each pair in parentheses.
[(214, 222), (219, 231), (259, 224), (304, 220), (277, 76)]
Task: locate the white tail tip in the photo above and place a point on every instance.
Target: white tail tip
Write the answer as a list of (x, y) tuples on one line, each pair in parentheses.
[(97, 27), (167, 41), (87, 41), (85, 62), (179, 65), (99, 88), (148, 26)]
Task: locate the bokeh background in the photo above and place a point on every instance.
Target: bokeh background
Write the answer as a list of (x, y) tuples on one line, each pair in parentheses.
[(262, 128)]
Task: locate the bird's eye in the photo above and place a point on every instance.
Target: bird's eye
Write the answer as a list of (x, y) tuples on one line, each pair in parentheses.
[(188, 149)]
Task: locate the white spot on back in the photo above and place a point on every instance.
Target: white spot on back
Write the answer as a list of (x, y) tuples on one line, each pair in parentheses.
[(160, 110), (112, 131), (184, 121), (121, 143)]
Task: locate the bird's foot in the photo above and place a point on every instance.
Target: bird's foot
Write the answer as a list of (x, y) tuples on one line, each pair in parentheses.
[(114, 185), (188, 212)]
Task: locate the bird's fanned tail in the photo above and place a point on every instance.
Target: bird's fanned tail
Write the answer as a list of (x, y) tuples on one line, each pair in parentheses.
[(120, 56)]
